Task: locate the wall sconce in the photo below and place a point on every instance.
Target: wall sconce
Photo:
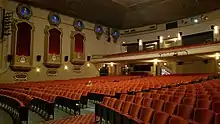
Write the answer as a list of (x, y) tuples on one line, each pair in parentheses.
[(65, 67), (37, 69), (155, 61), (88, 64), (179, 36), (140, 42), (160, 39), (112, 64)]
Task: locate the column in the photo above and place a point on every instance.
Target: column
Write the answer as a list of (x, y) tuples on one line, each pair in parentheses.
[(216, 36), (140, 45)]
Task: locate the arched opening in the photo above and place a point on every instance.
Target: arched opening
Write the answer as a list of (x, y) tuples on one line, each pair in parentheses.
[(24, 33), (79, 44), (54, 41)]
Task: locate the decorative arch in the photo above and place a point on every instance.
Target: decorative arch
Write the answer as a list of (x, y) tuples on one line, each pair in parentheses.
[(22, 45), (77, 48), (53, 46)]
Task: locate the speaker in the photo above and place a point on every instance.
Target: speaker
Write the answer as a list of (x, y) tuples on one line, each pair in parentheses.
[(38, 58), (180, 63), (88, 58), (66, 58), (206, 61), (9, 58)]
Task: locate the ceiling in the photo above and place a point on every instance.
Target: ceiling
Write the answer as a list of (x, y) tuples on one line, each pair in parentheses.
[(124, 14)]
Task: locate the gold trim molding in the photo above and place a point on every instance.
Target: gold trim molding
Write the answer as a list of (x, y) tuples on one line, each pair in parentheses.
[(77, 58), (21, 63), (52, 60)]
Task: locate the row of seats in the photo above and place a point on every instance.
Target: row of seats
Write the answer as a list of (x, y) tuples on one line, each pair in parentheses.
[(186, 101), (69, 93), (15, 107), (125, 112)]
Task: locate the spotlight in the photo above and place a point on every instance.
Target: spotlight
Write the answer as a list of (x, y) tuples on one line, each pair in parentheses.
[(195, 20)]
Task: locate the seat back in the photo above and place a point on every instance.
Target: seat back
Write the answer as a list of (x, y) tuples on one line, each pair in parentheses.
[(184, 111), (146, 114), (125, 107), (147, 102), (111, 102), (203, 116), (130, 98), (134, 110), (169, 107), (118, 104), (138, 100), (157, 105), (123, 97), (177, 120), (160, 118), (105, 100)]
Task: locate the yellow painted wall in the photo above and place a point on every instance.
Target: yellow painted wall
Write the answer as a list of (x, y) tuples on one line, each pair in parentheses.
[(197, 67), (39, 18)]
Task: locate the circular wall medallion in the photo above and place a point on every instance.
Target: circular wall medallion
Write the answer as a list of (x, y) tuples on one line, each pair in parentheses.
[(115, 34), (54, 18), (98, 29), (24, 11), (54, 58), (78, 25)]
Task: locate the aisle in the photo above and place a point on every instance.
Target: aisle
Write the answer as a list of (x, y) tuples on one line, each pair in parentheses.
[(5, 118)]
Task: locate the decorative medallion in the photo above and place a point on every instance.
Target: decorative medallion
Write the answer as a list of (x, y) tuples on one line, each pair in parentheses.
[(22, 60), (77, 68), (115, 34), (54, 58), (24, 11), (51, 72), (78, 25), (54, 19), (99, 31), (20, 76)]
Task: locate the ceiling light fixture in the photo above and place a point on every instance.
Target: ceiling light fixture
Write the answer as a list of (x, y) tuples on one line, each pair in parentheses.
[(195, 20)]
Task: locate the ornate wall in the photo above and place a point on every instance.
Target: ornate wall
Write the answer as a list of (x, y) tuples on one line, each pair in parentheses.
[(38, 72)]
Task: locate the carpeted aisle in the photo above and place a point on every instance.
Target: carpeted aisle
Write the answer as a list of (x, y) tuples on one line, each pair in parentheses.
[(5, 118)]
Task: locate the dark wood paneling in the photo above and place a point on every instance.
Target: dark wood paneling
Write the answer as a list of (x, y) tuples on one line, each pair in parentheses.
[(199, 38)]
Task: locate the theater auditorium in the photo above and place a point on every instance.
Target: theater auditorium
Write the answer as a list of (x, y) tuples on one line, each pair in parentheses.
[(109, 62)]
